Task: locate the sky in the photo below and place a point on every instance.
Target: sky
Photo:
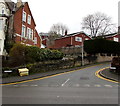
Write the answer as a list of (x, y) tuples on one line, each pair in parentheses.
[(69, 12)]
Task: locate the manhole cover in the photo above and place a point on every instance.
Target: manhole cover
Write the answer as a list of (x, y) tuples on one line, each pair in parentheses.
[(84, 78)]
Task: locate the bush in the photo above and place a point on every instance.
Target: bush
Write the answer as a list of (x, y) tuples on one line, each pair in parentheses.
[(32, 54), (17, 55)]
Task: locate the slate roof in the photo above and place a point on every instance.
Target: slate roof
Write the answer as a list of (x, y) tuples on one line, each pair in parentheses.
[(109, 35), (10, 4)]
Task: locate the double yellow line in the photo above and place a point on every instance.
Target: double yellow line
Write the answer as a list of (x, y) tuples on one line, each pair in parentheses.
[(99, 76), (58, 75)]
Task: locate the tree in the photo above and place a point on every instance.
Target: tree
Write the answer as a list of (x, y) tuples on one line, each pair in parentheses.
[(58, 29), (98, 24)]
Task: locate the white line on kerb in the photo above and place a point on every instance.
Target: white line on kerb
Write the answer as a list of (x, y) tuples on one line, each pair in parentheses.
[(65, 82)]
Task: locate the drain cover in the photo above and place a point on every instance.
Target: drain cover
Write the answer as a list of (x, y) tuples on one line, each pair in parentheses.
[(84, 78)]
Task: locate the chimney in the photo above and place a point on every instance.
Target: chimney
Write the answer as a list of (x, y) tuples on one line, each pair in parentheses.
[(65, 32), (19, 3), (119, 33)]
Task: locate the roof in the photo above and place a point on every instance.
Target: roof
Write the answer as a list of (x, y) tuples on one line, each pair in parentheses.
[(44, 34), (110, 35), (10, 4), (23, 4), (73, 34)]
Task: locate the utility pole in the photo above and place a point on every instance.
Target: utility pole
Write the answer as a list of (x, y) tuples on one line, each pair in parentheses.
[(82, 50)]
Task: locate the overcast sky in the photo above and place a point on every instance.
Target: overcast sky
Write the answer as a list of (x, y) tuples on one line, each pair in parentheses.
[(69, 12)]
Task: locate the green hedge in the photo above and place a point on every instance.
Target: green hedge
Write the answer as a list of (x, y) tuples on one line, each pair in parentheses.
[(100, 45)]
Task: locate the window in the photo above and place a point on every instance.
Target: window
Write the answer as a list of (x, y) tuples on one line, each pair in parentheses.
[(35, 40), (31, 34), (24, 16), (28, 33), (86, 39), (1, 24), (78, 39), (29, 19), (23, 30), (3, 10), (116, 39)]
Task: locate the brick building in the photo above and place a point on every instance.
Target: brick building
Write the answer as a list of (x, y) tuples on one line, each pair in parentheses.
[(6, 7), (24, 26), (114, 37), (69, 40), (17, 25)]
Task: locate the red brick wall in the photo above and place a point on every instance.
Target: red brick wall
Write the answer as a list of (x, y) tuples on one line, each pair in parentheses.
[(67, 41), (112, 38), (44, 42), (18, 21), (18, 26), (38, 39)]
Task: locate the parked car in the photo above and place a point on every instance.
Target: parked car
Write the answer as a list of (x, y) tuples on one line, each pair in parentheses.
[(115, 65)]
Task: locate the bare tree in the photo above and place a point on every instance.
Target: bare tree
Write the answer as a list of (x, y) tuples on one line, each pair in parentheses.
[(58, 28), (98, 24)]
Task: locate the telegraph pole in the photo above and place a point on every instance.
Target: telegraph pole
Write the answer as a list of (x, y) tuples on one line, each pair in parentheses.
[(82, 50)]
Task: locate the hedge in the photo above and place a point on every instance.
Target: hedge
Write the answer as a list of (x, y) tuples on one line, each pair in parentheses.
[(100, 45)]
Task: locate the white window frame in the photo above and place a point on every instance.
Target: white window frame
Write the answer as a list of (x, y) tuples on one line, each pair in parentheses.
[(86, 39), (28, 32), (3, 10), (23, 31), (29, 19), (35, 40), (116, 39), (24, 16), (78, 39), (1, 24), (31, 36)]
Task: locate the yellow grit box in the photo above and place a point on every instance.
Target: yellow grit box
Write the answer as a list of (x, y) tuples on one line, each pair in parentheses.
[(23, 71)]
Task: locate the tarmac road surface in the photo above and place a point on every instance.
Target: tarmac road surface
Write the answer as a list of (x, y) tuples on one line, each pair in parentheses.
[(78, 87)]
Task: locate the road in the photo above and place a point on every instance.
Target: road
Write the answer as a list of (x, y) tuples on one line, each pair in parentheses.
[(78, 87)]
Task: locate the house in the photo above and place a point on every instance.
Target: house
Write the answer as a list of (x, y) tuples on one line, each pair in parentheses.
[(17, 25), (24, 26), (69, 40), (114, 37), (44, 35), (6, 8)]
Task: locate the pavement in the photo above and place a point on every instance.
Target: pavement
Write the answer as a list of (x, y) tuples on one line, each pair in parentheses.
[(109, 75), (104, 73)]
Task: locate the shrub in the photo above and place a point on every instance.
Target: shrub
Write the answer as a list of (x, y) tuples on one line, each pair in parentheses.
[(17, 55), (21, 54)]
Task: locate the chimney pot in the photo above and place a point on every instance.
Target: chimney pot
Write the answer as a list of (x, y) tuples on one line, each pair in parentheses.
[(65, 32), (19, 3)]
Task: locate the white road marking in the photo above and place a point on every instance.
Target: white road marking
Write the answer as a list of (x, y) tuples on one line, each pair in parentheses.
[(65, 82), (77, 85), (87, 85), (116, 85), (54, 85), (34, 85), (58, 96), (97, 85), (24, 85), (15, 85), (108, 86)]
